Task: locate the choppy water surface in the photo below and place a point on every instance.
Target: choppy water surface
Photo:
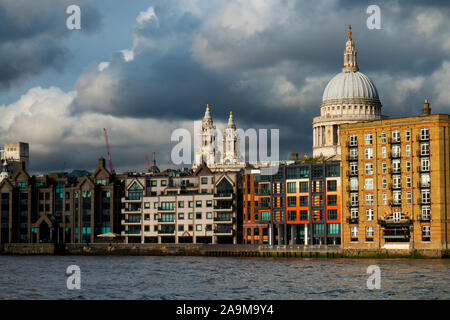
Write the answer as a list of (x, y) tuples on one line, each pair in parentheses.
[(44, 277)]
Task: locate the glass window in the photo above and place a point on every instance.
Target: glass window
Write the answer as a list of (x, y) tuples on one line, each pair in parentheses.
[(204, 180), (198, 227), (292, 201), (304, 186), (368, 153), (368, 139), (383, 167), (332, 200), (180, 204), (369, 232), (369, 214), (424, 134), (369, 184), (163, 182), (209, 215), (383, 137), (353, 140), (333, 171), (408, 150), (317, 171), (384, 198), (304, 215), (303, 201), (408, 135), (354, 232), (291, 187), (331, 185), (396, 136), (369, 199), (383, 152), (333, 228), (369, 168), (332, 214), (292, 216)]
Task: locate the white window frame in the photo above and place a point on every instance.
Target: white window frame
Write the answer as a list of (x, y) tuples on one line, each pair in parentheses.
[(369, 214)]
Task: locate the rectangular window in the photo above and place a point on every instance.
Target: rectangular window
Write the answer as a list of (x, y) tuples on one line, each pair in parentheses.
[(292, 201), (304, 172), (198, 215), (369, 214), (383, 137), (426, 233), (317, 171), (408, 165), (331, 200), (163, 183), (332, 214), (368, 139), (333, 228), (383, 167), (354, 199), (369, 168), (424, 134), (354, 232), (384, 199), (198, 227), (353, 140), (198, 204), (368, 184), (396, 151), (191, 215), (383, 183), (369, 199), (408, 150), (354, 213), (368, 153), (292, 187), (383, 152), (209, 215), (408, 135), (155, 205), (369, 232), (191, 204), (331, 185), (408, 182), (319, 228), (181, 216), (153, 183), (304, 201), (204, 180), (426, 212), (408, 197), (180, 204), (304, 215), (333, 171), (304, 186), (180, 227), (396, 136), (292, 216), (425, 149), (425, 164)]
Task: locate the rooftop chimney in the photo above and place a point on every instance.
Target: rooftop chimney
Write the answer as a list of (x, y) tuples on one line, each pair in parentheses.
[(426, 110)]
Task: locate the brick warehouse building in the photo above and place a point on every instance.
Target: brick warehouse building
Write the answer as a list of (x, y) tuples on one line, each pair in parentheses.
[(59, 208), (304, 205), (396, 183)]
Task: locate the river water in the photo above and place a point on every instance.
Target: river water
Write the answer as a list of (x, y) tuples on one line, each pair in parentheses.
[(134, 277)]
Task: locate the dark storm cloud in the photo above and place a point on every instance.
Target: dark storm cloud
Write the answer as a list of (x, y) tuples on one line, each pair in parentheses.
[(32, 34)]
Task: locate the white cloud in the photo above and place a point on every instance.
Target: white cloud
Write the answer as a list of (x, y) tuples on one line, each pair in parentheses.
[(145, 16), (103, 65)]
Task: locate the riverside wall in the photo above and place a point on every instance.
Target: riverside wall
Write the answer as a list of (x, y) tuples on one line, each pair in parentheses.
[(213, 250)]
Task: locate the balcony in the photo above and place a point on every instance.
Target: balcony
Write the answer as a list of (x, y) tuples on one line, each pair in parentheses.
[(223, 230), (422, 138), (395, 171), (131, 210), (166, 220), (352, 173), (223, 195), (352, 189), (168, 230), (424, 218), (352, 204), (166, 209), (131, 232), (224, 219), (352, 220), (127, 199), (394, 186), (394, 155), (131, 221), (395, 203), (423, 201), (421, 169), (423, 153), (424, 185), (351, 144), (224, 208), (352, 158), (394, 140)]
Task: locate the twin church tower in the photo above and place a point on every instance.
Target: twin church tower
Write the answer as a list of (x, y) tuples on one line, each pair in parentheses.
[(349, 97)]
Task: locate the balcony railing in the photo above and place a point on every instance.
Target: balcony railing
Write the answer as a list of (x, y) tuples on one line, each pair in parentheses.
[(223, 207), (167, 231), (133, 232), (395, 170), (352, 220), (352, 204), (395, 203), (424, 185), (352, 158), (395, 155), (224, 219), (423, 201), (394, 140), (352, 173), (166, 209), (423, 169), (424, 218), (166, 220), (393, 186), (423, 153), (422, 138), (223, 195), (352, 189), (350, 144)]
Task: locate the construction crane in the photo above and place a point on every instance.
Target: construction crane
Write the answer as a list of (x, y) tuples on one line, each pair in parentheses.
[(148, 163), (302, 153), (111, 168)]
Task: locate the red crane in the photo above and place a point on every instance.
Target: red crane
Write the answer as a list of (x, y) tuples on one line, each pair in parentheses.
[(302, 153), (111, 168), (148, 163)]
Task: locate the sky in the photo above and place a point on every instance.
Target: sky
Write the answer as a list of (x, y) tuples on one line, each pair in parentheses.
[(142, 69)]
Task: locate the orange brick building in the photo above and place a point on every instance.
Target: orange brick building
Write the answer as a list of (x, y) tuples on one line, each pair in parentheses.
[(396, 183)]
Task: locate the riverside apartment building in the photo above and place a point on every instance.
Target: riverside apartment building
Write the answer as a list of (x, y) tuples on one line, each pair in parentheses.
[(396, 183), (182, 207)]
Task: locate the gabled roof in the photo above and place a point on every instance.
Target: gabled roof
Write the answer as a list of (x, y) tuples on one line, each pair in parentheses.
[(203, 170)]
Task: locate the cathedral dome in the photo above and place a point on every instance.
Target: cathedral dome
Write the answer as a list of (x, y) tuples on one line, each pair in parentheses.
[(350, 85)]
